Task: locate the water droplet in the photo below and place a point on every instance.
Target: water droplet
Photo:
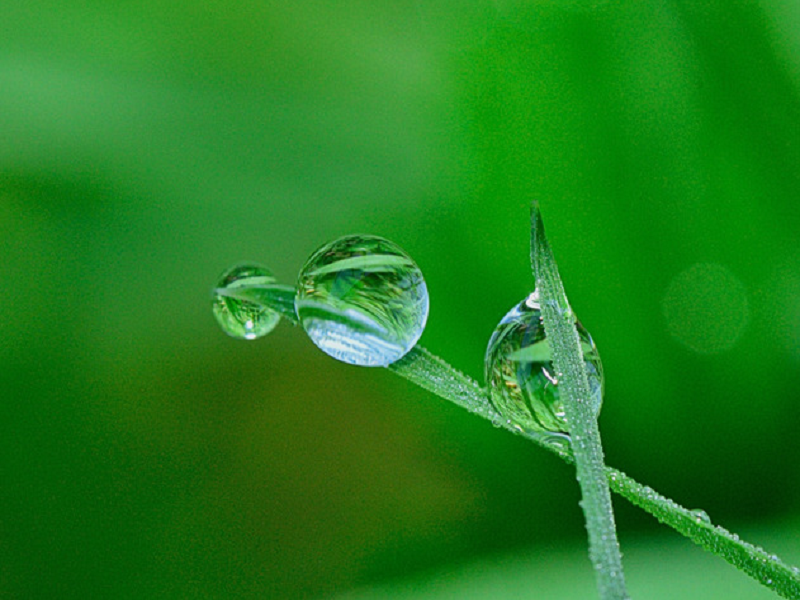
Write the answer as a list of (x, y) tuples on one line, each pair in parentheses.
[(241, 318), (519, 370), (557, 441), (700, 516), (362, 300)]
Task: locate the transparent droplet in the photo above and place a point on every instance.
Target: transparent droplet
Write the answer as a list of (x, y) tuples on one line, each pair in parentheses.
[(241, 318), (522, 379), (362, 300), (700, 516)]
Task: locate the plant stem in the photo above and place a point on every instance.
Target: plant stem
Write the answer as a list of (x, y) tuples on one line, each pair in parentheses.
[(767, 569), (575, 395), (435, 375)]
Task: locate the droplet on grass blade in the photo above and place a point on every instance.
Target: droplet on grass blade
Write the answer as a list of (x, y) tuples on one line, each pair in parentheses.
[(362, 300), (700, 516), (522, 380), (241, 318)]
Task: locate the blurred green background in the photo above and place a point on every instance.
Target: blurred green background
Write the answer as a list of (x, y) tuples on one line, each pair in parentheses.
[(146, 146)]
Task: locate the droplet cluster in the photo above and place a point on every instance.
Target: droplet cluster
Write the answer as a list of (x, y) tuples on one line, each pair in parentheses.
[(361, 299)]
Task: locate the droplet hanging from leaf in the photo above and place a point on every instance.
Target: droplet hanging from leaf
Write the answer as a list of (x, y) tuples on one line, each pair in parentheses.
[(239, 317)]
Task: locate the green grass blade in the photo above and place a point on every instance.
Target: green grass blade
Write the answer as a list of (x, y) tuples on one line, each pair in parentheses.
[(435, 375), (431, 373), (575, 394), (279, 298), (767, 569)]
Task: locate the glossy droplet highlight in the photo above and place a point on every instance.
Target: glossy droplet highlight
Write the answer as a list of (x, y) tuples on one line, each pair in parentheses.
[(700, 516), (362, 300), (241, 318), (522, 381)]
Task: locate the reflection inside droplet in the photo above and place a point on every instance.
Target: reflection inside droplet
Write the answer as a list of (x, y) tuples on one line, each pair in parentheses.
[(241, 318), (520, 374), (362, 300)]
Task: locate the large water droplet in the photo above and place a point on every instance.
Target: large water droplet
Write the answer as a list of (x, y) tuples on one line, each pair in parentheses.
[(522, 379), (362, 300), (241, 318)]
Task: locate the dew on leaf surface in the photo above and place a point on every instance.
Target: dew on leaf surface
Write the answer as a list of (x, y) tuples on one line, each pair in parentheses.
[(522, 380), (241, 318), (362, 300), (700, 516)]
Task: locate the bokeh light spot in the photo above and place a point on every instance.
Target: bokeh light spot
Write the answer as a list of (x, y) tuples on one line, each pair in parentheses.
[(706, 308)]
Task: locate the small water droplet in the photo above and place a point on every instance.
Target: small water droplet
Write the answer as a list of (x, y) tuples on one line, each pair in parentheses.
[(241, 318), (362, 300), (700, 516), (519, 370)]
